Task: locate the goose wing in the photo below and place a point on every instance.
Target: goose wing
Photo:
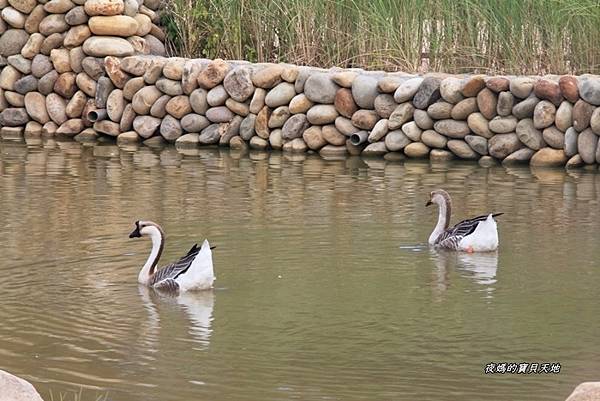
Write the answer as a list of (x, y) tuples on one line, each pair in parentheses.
[(452, 236), (173, 270)]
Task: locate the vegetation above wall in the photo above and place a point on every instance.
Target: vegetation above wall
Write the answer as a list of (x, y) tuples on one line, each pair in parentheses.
[(454, 36)]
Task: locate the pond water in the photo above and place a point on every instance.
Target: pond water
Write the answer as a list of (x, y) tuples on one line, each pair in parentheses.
[(325, 287)]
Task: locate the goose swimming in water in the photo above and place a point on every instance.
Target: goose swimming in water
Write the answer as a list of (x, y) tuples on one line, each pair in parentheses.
[(194, 271), (479, 234)]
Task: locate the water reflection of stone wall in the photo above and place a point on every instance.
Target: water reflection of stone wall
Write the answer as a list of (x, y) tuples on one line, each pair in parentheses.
[(91, 69)]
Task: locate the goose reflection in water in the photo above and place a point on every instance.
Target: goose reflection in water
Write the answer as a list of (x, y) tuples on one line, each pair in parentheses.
[(198, 307), (480, 267)]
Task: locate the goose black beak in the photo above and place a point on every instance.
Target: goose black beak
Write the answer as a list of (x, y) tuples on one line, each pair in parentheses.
[(135, 233), (429, 203)]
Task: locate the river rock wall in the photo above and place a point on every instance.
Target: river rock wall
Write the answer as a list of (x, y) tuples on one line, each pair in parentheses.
[(90, 68), (59, 58)]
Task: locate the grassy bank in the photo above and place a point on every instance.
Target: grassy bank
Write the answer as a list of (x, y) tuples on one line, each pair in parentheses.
[(493, 36)]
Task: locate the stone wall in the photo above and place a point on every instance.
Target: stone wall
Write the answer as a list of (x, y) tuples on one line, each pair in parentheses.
[(90, 68), (59, 59)]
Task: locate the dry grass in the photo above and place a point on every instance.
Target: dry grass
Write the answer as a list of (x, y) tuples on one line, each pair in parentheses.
[(77, 396), (494, 36)]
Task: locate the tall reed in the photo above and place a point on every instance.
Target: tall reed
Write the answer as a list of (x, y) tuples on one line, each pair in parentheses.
[(493, 36)]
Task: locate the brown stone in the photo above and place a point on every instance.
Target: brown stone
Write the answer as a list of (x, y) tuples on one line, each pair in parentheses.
[(104, 7), (58, 6), (544, 114), (12, 41), (53, 41), (146, 126), (189, 77), (213, 74), (32, 23), (498, 84), (76, 36), (587, 391), (115, 25), (71, 127), (333, 136), (115, 105), (76, 16), (261, 125), (101, 46), (568, 88), (239, 108), (86, 84), (179, 106), (238, 84), (344, 102), (33, 128), (93, 67), (15, 99), (46, 83), (582, 114), (173, 68), (464, 108), (403, 113), (267, 77), (144, 25), (107, 127), (159, 108), (548, 90), (473, 86), (440, 110), (126, 123), (65, 85), (313, 137), (299, 104), (33, 46), (132, 86), (24, 6), (502, 145), (35, 104), (53, 23), (112, 66), (487, 102), (76, 56), (60, 60), (548, 157), (144, 99), (365, 119), (76, 105), (385, 105), (138, 65), (416, 150), (56, 107)]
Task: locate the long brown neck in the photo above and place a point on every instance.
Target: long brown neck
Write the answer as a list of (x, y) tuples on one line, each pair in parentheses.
[(448, 209), (444, 214)]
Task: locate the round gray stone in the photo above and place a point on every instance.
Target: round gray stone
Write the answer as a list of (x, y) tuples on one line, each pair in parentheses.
[(529, 134), (364, 91), (320, 88)]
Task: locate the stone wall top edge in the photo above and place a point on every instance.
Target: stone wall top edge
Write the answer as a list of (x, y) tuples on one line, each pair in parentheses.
[(360, 71)]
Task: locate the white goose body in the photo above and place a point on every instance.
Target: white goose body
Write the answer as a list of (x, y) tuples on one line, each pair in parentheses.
[(194, 271), (479, 234)]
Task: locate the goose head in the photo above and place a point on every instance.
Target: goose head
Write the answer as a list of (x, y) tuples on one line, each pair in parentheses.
[(146, 228), (439, 197)]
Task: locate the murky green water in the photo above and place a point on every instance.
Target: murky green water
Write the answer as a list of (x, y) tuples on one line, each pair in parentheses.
[(325, 289)]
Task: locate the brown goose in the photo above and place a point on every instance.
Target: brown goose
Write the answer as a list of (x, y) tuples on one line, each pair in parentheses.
[(478, 234)]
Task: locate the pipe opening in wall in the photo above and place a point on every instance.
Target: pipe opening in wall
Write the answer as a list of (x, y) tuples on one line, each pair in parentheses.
[(358, 138), (96, 115)]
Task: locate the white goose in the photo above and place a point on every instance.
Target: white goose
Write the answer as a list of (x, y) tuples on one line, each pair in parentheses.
[(194, 271), (479, 234)]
